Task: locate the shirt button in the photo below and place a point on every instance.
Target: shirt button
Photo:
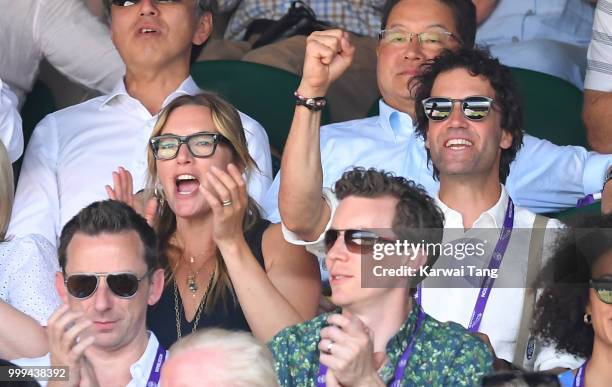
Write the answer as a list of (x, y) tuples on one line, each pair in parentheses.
[(530, 12), (515, 39)]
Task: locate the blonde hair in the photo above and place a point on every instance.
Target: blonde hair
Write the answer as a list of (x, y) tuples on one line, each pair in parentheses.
[(249, 363), (227, 121), (7, 188)]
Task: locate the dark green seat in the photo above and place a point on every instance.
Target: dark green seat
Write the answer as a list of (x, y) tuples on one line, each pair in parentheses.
[(263, 92), (552, 107), (38, 103)]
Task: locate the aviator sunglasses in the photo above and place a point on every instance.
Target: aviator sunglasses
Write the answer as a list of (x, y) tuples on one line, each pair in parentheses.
[(475, 108), (603, 289), (356, 241), (84, 285), (127, 3)]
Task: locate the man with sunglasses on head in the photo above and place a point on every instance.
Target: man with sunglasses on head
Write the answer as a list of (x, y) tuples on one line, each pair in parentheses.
[(380, 336), (544, 178), (110, 274), (470, 117), (73, 152)]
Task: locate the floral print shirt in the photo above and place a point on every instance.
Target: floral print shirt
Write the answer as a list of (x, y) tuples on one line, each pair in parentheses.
[(444, 354)]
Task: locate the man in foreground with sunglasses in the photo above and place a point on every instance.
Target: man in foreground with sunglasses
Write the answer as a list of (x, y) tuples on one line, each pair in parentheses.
[(110, 274), (73, 152), (471, 121), (544, 178), (381, 336)]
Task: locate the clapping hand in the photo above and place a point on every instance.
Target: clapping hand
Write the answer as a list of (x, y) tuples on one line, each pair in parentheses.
[(227, 197), (347, 350), (123, 190), (65, 330)]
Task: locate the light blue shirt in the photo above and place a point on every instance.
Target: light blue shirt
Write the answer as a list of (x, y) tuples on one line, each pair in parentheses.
[(519, 31), (543, 178), (567, 21)]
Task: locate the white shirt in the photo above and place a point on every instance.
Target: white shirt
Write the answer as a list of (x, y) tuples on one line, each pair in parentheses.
[(140, 370), (502, 315), (64, 32), (599, 57), (73, 152), (544, 177), (11, 133), (27, 276)]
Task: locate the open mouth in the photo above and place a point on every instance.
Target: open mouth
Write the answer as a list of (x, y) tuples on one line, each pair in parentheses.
[(147, 31), (187, 184), (457, 143)]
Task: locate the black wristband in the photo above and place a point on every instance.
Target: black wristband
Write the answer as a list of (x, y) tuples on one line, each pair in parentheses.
[(315, 103)]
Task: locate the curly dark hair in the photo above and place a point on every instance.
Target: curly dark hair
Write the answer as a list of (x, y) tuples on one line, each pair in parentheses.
[(464, 15), (479, 63), (565, 278), (417, 217)]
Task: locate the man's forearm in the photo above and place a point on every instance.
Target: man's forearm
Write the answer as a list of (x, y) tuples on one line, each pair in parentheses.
[(303, 210), (597, 118)]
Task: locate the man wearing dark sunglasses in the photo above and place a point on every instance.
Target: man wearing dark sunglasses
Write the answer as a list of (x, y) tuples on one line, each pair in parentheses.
[(73, 152), (379, 336), (470, 118), (110, 274), (413, 32)]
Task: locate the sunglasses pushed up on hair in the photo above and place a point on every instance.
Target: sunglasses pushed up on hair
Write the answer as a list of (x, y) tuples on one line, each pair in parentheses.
[(474, 108), (603, 289), (122, 284)]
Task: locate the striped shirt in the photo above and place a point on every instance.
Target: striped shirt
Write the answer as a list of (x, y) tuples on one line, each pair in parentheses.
[(358, 16), (599, 57)]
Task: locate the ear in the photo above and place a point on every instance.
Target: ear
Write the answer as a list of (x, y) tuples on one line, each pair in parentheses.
[(203, 29), (61, 287), (587, 308), (505, 142), (426, 141), (156, 286)]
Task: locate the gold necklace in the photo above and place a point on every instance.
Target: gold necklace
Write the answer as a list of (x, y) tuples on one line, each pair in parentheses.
[(192, 279), (201, 307)]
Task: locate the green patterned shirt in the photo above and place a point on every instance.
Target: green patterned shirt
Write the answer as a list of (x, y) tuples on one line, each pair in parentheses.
[(444, 354)]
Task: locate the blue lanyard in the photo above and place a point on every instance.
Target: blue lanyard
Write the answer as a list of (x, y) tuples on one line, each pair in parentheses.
[(494, 263), (401, 365)]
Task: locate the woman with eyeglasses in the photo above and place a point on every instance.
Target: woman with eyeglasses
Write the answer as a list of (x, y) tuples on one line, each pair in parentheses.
[(226, 266), (27, 293), (574, 311)]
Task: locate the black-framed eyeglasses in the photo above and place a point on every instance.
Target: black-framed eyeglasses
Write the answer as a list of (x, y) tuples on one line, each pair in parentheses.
[(127, 3), (122, 284), (603, 288), (475, 107), (427, 39), (201, 144), (356, 241)]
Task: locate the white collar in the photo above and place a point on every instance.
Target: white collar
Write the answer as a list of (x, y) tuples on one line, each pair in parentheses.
[(188, 86), (141, 369), (493, 217)]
